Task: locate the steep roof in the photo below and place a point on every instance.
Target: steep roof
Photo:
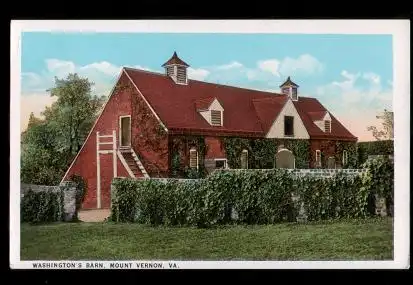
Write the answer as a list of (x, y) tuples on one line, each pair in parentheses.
[(175, 60), (246, 111), (289, 82)]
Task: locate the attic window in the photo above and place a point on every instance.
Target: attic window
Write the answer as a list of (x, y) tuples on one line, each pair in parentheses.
[(288, 126), (327, 126), (193, 158), (244, 159), (181, 74), (216, 118)]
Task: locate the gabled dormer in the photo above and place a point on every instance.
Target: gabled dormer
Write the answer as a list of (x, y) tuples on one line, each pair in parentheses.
[(322, 119), (290, 88), (211, 110), (176, 69)]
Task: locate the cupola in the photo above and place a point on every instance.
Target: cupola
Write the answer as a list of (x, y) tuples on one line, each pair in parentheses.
[(290, 88), (176, 69)]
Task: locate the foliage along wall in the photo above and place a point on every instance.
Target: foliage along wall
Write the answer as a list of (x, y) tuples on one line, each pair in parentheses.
[(261, 152), (364, 149), (252, 197), (179, 147)]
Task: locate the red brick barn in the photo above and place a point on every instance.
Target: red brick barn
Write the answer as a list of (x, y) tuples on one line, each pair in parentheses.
[(150, 117)]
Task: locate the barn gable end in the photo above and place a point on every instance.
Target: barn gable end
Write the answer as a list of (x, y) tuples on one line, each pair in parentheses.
[(85, 163)]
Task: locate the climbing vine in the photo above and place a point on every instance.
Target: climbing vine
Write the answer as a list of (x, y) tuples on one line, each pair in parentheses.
[(261, 152), (351, 149), (179, 148)]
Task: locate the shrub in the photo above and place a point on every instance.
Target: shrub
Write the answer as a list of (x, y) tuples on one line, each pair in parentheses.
[(42, 207), (379, 180), (256, 196), (81, 189), (364, 149)]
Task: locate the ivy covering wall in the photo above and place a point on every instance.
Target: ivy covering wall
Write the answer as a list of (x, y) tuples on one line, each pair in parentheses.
[(179, 147), (261, 152), (364, 149), (251, 197)]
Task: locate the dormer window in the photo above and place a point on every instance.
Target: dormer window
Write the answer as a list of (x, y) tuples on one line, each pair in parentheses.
[(321, 119), (216, 118), (176, 69), (327, 126), (290, 89), (211, 110)]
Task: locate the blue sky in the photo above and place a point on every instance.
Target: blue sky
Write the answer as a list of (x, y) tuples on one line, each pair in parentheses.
[(350, 74)]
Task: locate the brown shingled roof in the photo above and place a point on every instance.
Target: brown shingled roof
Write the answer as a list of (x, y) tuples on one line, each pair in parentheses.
[(289, 82), (175, 60), (247, 112)]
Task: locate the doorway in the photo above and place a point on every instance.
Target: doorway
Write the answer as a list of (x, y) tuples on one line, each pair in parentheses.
[(125, 131), (284, 159)]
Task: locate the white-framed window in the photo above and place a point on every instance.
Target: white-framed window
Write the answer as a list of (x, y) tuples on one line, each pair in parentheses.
[(244, 159), (216, 118), (318, 158), (345, 157), (327, 126), (220, 163), (193, 158)]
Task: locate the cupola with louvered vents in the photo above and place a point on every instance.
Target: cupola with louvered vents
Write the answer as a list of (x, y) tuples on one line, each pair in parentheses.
[(176, 69)]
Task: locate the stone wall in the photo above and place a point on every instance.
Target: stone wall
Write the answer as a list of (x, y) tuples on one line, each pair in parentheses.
[(69, 197)]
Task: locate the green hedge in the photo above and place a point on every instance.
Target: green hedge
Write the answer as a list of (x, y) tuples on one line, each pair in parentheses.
[(364, 149), (42, 207), (257, 196)]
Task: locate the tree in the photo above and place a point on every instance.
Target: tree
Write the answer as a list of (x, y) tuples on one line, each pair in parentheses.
[(74, 112), (49, 145), (387, 133)]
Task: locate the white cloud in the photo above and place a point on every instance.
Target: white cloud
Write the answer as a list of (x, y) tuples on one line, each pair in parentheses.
[(356, 100), (303, 65), (34, 85), (270, 65), (59, 67), (197, 74), (232, 65), (103, 66)]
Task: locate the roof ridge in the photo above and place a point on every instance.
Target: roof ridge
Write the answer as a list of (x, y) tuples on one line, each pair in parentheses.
[(212, 83)]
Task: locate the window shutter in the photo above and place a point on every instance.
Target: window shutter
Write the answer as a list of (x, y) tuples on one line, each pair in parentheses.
[(170, 70), (193, 159), (244, 159), (327, 126), (181, 75), (318, 158), (215, 118)]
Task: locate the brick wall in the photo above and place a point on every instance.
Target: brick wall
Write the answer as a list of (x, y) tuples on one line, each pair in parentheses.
[(85, 163), (149, 139)]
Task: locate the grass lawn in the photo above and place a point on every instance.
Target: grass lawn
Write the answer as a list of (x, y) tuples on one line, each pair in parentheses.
[(370, 239)]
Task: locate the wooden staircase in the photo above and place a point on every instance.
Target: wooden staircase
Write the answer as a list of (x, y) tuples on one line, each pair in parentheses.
[(133, 162)]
